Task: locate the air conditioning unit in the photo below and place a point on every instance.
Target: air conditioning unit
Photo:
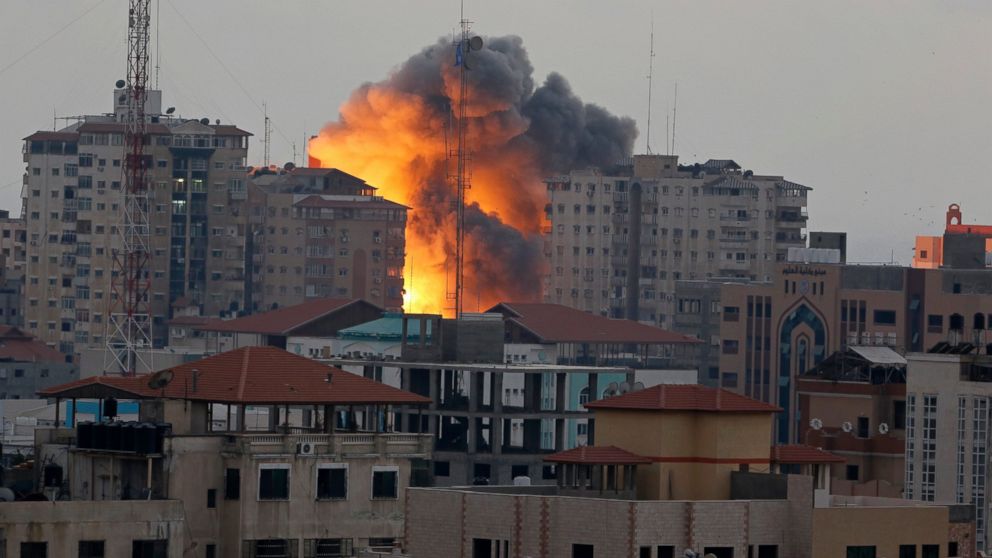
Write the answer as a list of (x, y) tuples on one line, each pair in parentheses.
[(305, 448)]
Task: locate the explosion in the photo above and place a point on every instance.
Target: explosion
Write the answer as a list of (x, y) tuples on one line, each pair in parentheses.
[(398, 134)]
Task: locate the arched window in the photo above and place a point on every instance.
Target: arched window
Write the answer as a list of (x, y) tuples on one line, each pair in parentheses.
[(957, 322), (584, 396), (979, 321), (802, 350)]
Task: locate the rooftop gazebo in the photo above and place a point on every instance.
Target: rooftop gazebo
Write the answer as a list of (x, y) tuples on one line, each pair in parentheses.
[(598, 471)]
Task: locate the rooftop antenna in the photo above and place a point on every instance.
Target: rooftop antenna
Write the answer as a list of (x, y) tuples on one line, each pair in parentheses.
[(675, 109), (158, 47), (668, 139), (650, 79), (129, 324), (267, 140), (463, 47)]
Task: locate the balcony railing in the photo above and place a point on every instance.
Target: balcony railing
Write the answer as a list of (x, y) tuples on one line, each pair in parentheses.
[(360, 443)]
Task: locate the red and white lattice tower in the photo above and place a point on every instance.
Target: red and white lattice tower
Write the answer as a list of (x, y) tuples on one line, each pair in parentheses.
[(129, 320)]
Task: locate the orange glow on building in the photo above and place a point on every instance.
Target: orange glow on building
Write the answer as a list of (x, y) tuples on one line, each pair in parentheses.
[(928, 252)]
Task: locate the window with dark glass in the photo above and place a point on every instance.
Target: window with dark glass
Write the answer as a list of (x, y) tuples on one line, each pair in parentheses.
[(211, 497), (90, 549), (583, 551), (666, 552), (899, 414), (384, 484), (863, 427), (273, 484), (885, 317), (327, 548), (930, 551), (907, 551), (150, 549), (861, 552), (232, 484), (442, 468), (34, 550), (332, 484)]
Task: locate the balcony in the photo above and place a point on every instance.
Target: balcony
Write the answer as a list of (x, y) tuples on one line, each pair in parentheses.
[(337, 444)]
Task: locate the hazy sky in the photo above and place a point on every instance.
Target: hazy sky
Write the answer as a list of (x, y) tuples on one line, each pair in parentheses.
[(880, 106)]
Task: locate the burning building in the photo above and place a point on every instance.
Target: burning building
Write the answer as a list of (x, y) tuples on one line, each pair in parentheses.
[(397, 135)]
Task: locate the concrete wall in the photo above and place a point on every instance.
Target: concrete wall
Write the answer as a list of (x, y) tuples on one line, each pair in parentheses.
[(63, 524), (835, 529), (443, 523)]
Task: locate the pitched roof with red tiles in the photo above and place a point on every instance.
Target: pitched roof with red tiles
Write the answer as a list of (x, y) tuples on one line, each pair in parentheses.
[(684, 397), (229, 130), (250, 375), (803, 454), (554, 323), (368, 203), (597, 455), (17, 346), (282, 321), (53, 136)]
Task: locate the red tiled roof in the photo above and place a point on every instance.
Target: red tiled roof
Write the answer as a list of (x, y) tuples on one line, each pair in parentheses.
[(53, 136), (554, 323), (281, 321), (317, 201), (17, 346), (684, 397), (802, 454), (192, 320), (253, 375), (229, 130), (597, 455)]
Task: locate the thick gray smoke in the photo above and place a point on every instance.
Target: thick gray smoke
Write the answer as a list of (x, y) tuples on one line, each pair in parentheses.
[(517, 135)]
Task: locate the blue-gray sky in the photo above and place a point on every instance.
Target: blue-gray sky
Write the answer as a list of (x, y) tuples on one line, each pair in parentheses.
[(881, 106)]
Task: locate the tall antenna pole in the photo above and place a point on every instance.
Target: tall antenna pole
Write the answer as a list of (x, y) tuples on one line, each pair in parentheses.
[(158, 43), (130, 324), (267, 141), (650, 79), (675, 109)]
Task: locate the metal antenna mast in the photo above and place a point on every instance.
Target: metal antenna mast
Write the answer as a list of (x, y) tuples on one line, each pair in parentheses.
[(130, 324), (268, 134), (463, 47), (650, 79)]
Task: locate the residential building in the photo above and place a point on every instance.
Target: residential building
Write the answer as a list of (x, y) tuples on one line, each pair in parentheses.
[(12, 245), (948, 397), (27, 365), (507, 387), (619, 239), (72, 196), (680, 468), (772, 332), (253, 452), (320, 233), (961, 246), (856, 403)]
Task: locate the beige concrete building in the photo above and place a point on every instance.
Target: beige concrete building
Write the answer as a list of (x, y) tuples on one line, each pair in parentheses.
[(947, 432), (72, 195), (254, 452), (319, 233), (772, 332), (619, 239), (704, 479), (12, 236)]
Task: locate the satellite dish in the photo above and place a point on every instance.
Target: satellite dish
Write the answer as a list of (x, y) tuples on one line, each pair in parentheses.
[(217, 122), (120, 84), (475, 43), (624, 387), (883, 428), (690, 553), (160, 379), (7, 495), (205, 121), (847, 426), (816, 424), (611, 390), (638, 386), (289, 166), (170, 110)]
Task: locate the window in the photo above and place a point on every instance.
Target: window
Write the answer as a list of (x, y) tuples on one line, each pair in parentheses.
[(211, 551), (719, 551), (384, 485), (519, 471), (852, 473), (332, 482), (930, 551), (885, 317), (150, 549), (583, 551), (952, 548), (861, 552), (90, 549), (863, 427), (34, 550), (935, 323), (442, 468), (666, 552), (899, 414), (767, 551), (211, 498), (645, 552), (327, 548), (273, 482), (907, 551), (730, 346), (269, 548), (548, 472), (232, 484)]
